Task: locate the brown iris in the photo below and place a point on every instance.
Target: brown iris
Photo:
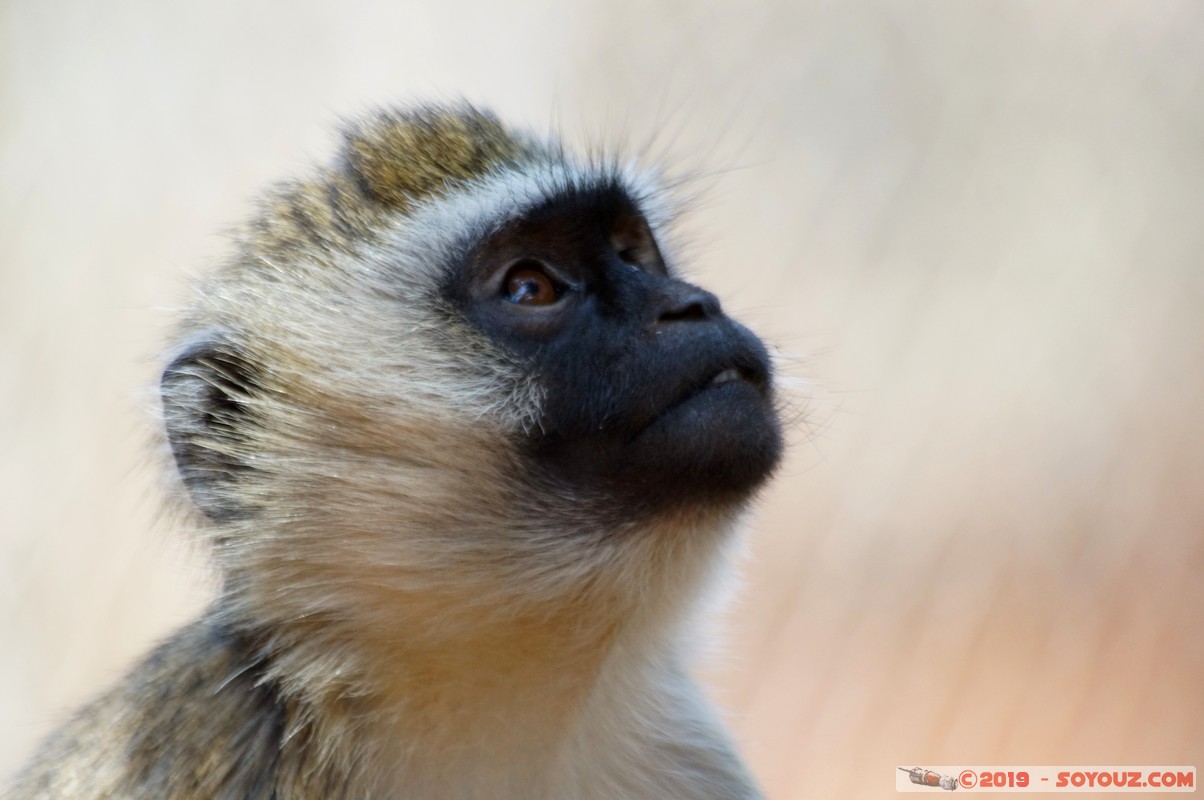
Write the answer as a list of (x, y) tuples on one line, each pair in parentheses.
[(528, 284)]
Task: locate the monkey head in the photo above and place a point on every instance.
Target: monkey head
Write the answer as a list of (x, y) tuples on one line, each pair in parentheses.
[(459, 360)]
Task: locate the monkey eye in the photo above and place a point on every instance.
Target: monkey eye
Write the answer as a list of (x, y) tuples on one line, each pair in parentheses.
[(529, 284)]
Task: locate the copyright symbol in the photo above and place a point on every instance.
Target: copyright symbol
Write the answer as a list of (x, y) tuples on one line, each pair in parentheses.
[(967, 778)]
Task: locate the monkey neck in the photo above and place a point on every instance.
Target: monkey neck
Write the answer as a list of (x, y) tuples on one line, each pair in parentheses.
[(501, 710), (511, 682)]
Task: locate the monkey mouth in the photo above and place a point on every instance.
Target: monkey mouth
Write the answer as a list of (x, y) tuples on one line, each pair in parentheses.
[(745, 372), (738, 379), (706, 429), (753, 374), (726, 376), (717, 438)]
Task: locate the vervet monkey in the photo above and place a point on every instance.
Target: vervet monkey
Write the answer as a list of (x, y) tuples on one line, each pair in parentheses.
[(467, 450)]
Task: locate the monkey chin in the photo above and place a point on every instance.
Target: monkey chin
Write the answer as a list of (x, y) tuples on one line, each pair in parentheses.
[(716, 446), (707, 449)]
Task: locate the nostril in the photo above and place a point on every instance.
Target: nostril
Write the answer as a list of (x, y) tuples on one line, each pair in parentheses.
[(692, 311), (690, 304)]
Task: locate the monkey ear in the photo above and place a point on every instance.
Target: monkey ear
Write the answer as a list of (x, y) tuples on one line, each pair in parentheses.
[(208, 392)]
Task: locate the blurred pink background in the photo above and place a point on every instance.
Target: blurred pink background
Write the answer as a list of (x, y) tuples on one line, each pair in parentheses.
[(974, 232)]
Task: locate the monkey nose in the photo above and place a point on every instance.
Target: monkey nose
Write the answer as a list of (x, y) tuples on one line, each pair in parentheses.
[(681, 302)]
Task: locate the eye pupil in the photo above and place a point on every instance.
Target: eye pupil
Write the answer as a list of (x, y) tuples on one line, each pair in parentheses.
[(530, 285)]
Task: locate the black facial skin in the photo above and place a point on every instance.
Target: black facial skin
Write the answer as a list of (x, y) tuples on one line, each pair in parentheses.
[(628, 355)]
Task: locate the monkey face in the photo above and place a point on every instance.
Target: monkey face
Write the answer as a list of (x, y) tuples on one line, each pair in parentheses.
[(452, 305), (652, 396)]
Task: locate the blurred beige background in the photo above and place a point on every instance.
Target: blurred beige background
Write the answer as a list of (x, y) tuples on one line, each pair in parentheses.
[(975, 230)]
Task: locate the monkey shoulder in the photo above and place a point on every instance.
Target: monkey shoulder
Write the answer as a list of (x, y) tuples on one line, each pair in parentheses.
[(199, 718)]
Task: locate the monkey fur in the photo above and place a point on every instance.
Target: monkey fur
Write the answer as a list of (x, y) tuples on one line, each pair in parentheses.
[(467, 451)]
